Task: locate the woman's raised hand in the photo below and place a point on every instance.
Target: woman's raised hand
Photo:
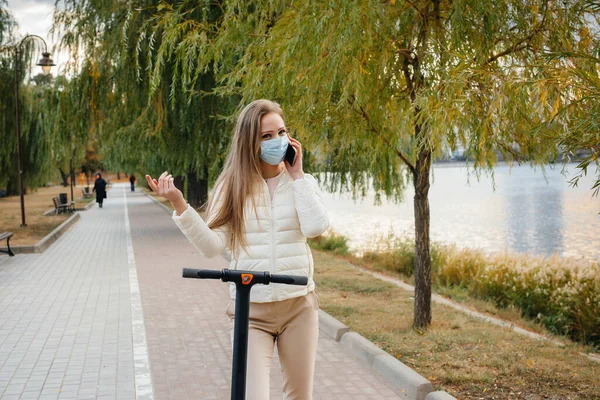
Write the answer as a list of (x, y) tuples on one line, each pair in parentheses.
[(165, 187)]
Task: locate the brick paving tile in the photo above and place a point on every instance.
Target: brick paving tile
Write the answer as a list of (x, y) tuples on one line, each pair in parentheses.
[(62, 311)]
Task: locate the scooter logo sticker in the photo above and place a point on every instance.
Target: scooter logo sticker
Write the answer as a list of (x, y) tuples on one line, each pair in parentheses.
[(247, 278)]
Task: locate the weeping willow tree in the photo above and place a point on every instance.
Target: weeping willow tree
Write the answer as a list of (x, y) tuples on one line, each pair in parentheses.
[(377, 89), (36, 114), (581, 116), (139, 123), (7, 108), (71, 137), (579, 106)]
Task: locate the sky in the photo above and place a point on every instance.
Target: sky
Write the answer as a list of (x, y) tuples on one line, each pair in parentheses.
[(35, 17)]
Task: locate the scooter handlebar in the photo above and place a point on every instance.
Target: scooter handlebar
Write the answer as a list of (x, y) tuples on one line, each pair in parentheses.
[(202, 273), (227, 275), (290, 279)]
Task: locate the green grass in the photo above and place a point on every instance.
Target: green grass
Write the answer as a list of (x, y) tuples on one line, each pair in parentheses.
[(466, 357)]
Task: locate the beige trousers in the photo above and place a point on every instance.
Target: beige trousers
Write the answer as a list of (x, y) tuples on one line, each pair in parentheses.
[(294, 325)]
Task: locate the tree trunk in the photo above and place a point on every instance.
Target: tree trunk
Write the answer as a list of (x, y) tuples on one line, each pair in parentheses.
[(197, 193), (118, 175), (422, 317), (72, 179), (64, 177)]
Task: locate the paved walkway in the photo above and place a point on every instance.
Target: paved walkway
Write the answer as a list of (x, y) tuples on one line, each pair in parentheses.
[(104, 313)]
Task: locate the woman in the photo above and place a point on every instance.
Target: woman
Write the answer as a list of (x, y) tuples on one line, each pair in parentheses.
[(261, 212), (100, 189)]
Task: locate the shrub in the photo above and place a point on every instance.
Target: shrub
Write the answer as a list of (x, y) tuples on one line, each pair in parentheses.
[(337, 244), (563, 294)]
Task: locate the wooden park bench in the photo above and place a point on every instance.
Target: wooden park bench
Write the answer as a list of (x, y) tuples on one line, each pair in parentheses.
[(62, 207), (7, 236), (86, 192)]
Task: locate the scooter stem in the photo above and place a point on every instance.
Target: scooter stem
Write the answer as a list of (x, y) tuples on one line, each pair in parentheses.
[(240, 341)]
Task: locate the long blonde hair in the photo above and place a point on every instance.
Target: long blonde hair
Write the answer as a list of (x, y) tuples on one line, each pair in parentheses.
[(241, 175)]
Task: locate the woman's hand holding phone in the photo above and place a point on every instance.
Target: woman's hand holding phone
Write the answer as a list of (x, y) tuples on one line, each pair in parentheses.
[(295, 171), (165, 187)]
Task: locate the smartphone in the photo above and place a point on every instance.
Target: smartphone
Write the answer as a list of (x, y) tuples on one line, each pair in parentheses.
[(290, 155)]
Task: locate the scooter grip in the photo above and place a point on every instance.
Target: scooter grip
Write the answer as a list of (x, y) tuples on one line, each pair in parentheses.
[(290, 279), (202, 273)]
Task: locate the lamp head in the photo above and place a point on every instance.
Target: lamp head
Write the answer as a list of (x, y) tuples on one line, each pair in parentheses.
[(46, 62)]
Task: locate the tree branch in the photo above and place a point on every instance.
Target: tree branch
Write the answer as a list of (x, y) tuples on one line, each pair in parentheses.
[(405, 52), (520, 45), (262, 35), (511, 151), (516, 47), (361, 111), (413, 5)]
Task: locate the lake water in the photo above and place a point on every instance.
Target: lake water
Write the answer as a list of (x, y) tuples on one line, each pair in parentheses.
[(526, 212)]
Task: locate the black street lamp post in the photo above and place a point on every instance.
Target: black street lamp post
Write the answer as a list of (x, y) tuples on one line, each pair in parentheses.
[(46, 63), (72, 177)]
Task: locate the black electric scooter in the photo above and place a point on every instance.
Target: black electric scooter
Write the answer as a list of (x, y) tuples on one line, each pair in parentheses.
[(244, 280)]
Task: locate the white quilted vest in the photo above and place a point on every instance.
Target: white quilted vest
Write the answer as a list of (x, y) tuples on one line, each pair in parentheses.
[(275, 240), (275, 244)]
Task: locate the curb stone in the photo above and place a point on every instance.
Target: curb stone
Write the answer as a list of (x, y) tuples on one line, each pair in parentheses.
[(414, 385), (362, 348), (331, 326), (47, 240), (592, 357)]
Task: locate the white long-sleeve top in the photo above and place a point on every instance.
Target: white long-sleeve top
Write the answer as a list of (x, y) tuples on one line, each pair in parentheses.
[(275, 236)]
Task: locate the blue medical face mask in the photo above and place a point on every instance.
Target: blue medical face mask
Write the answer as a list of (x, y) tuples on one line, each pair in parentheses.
[(273, 151)]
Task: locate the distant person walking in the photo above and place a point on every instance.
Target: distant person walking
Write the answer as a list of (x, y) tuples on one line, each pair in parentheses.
[(132, 181), (100, 189)]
